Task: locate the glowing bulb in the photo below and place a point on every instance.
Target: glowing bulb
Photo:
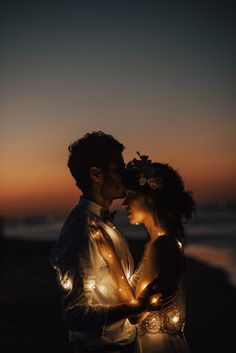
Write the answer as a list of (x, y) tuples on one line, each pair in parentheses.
[(122, 277), (120, 289), (154, 300), (175, 318), (91, 285), (103, 288), (179, 243), (66, 283), (133, 301), (137, 223), (110, 255)]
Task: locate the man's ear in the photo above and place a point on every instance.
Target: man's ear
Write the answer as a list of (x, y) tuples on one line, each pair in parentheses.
[(96, 174)]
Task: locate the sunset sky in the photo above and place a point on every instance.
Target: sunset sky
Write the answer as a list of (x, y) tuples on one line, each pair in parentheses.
[(157, 76)]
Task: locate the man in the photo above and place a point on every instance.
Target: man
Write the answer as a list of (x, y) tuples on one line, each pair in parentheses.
[(95, 319)]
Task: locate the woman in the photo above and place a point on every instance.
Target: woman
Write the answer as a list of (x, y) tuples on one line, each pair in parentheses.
[(157, 199)]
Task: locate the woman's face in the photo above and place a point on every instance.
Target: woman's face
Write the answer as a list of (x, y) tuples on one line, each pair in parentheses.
[(134, 204)]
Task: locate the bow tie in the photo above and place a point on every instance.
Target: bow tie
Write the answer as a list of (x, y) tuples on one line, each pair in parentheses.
[(108, 216)]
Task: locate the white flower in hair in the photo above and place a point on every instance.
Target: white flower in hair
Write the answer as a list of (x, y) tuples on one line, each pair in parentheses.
[(146, 171), (142, 180), (154, 183)]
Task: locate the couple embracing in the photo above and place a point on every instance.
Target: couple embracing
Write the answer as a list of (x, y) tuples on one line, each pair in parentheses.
[(107, 304)]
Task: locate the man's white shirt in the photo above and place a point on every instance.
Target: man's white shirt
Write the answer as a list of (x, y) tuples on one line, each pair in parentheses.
[(86, 286)]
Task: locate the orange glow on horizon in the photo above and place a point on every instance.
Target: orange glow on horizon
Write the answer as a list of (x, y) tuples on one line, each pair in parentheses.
[(41, 187)]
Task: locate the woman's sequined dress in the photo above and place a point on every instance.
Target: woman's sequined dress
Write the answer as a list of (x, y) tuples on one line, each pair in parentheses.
[(169, 321)]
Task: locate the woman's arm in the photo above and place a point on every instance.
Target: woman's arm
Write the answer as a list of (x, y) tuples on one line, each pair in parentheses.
[(107, 250), (168, 260), (125, 293), (163, 264)]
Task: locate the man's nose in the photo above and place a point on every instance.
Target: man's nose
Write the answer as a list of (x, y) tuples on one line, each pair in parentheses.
[(125, 204)]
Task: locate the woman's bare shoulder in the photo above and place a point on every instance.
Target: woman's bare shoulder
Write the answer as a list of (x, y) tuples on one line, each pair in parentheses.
[(165, 242), (165, 246)]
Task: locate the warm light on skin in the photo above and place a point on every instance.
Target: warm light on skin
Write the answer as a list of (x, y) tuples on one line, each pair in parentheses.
[(138, 213), (135, 217), (144, 285)]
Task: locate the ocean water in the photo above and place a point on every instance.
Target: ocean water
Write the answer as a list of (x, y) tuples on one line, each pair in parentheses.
[(211, 237)]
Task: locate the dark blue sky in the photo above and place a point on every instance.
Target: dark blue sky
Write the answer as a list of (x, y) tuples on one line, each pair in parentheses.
[(158, 75)]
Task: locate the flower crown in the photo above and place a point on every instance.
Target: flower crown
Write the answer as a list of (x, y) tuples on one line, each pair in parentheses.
[(145, 171)]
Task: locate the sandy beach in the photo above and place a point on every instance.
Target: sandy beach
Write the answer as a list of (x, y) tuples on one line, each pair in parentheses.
[(31, 318)]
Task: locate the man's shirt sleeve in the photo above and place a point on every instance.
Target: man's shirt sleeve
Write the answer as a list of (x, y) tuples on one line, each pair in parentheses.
[(76, 275)]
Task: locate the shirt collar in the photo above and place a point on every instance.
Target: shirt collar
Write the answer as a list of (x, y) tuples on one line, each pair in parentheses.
[(92, 206)]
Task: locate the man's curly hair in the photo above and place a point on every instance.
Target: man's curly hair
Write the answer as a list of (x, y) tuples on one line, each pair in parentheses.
[(94, 149)]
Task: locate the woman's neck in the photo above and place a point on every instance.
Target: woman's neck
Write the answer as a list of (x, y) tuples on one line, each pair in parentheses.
[(154, 230)]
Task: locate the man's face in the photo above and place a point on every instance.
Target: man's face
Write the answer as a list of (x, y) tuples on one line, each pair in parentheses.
[(113, 187)]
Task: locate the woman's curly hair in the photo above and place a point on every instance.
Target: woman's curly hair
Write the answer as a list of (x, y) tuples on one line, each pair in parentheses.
[(171, 205)]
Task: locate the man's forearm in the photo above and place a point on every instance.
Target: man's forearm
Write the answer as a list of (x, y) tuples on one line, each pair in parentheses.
[(86, 318)]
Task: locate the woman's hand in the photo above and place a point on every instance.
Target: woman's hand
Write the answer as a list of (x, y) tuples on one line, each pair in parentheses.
[(104, 244)]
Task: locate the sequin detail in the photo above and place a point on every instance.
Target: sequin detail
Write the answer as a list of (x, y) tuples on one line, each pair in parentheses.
[(169, 320)]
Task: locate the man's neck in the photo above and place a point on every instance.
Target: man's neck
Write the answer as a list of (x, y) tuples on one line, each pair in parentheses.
[(98, 198)]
